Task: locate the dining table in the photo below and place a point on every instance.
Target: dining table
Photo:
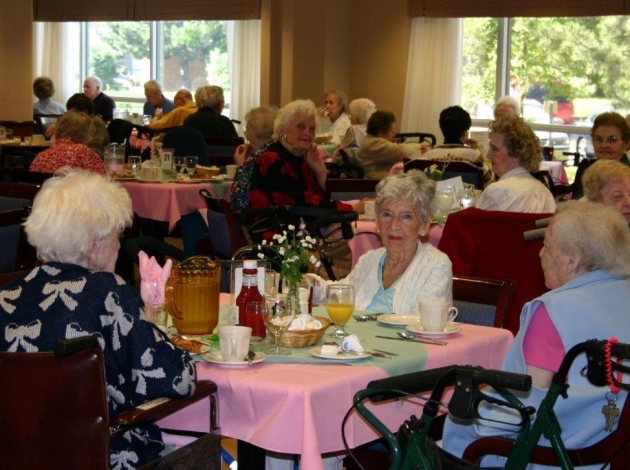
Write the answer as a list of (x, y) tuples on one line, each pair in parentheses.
[(296, 404), (168, 201)]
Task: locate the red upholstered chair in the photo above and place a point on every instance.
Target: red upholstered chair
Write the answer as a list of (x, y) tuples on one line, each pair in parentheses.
[(490, 245)]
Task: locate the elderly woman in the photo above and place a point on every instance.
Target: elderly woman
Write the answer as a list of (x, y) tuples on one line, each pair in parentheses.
[(382, 277), (361, 110), (75, 223), (81, 103), (608, 182), (44, 89), (73, 132), (515, 152), (507, 106), (258, 132), (333, 117), (291, 171), (586, 264), (378, 153)]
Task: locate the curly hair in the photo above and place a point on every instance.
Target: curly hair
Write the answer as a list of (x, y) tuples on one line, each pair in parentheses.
[(76, 126), (414, 186), (209, 96), (261, 119), (380, 122), (80, 102), (43, 87), (600, 174), (612, 119), (289, 111), (519, 139), (361, 109)]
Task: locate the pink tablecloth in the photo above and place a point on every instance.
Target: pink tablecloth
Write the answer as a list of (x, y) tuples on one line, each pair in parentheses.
[(298, 408), (167, 202), (556, 170), (366, 238)]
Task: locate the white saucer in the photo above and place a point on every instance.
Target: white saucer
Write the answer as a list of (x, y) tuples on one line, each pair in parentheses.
[(449, 330), (344, 356), (398, 319), (217, 358), (188, 181)]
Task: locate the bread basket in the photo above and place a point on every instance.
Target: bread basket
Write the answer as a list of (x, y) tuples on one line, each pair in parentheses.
[(206, 171), (304, 338)]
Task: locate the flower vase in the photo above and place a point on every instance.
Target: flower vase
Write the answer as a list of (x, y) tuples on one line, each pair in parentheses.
[(293, 296)]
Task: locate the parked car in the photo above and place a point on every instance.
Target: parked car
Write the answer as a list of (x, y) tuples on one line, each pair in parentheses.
[(534, 112)]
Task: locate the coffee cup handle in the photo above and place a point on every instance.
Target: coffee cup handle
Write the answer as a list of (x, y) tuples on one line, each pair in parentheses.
[(452, 314)]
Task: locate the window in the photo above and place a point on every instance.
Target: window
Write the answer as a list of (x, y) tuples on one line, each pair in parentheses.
[(178, 54), (564, 71)]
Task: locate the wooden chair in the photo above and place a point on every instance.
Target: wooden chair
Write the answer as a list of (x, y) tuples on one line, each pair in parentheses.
[(344, 170), (119, 131), (19, 190), (469, 173), (221, 149), (19, 128), (487, 301), (54, 414), (224, 237), (417, 136), (347, 189), (44, 121), (17, 254)]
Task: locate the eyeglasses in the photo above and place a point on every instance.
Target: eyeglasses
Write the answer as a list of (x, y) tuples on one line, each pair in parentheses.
[(611, 139)]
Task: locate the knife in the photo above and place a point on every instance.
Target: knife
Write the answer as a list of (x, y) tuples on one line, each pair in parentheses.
[(418, 339)]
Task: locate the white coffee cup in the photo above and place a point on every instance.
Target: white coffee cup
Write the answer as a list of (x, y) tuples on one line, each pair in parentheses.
[(230, 171), (368, 209), (234, 342), (435, 315)]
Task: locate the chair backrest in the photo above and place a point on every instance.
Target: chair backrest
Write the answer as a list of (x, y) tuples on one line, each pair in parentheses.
[(16, 254), (119, 131), (19, 190), (348, 189), (469, 173), (225, 236), (44, 121), (490, 244), (345, 170), (221, 149), (187, 141), (53, 410), (417, 137), (486, 301), (19, 128)]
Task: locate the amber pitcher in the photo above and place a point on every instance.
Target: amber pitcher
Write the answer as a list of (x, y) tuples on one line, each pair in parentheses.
[(192, 295)]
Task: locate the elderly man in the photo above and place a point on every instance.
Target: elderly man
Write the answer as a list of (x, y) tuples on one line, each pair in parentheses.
[(505, 106), (208, 119), (103, 104), (157, 105), (184, 107)]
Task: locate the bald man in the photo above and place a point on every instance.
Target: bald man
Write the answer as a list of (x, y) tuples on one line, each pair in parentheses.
[(184, 107)]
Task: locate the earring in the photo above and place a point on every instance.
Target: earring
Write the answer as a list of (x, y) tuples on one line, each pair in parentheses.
[(283, 137)]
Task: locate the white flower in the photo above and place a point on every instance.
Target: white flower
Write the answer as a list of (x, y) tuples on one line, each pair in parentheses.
[(261, 256), (291, 227), (264, 242), (281, 251), (318, 264), (312, 259)]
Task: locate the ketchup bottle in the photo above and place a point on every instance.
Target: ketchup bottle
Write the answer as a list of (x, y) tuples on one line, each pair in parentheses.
[(249, 292)]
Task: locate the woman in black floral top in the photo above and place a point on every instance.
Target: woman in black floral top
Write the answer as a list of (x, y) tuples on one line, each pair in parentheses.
[(74, 224)]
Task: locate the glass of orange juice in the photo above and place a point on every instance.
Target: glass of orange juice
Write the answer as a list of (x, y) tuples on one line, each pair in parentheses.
[(340, 305)]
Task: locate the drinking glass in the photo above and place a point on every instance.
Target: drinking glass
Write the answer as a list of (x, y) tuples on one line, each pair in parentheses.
[(191, 164), (180, 164), (444, 198), (340, 305), (134, 164), (271, 282), (277, 319), (467, 196)]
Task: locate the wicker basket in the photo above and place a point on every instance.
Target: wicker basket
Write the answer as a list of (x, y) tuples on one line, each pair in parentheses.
[(304, 338)]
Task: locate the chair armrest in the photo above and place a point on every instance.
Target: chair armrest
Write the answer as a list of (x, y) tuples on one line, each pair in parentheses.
[(137, 416)]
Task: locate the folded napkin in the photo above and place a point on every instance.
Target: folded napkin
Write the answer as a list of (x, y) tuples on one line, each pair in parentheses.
[(352, 343), (152, 282), (305, 322)]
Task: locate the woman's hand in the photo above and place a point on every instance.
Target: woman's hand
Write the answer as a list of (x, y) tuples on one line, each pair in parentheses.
[(315, 158), (241, 153)]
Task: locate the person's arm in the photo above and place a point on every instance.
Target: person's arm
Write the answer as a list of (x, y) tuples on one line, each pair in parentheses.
[(241, 153), (542, 348), (316, 163)]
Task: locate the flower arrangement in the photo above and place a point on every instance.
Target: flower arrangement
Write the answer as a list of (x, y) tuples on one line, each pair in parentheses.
[(291, 249), (434, 173)]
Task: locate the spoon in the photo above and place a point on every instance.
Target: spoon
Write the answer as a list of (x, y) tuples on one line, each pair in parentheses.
[(250, 357), (360, 317), (424, 338)]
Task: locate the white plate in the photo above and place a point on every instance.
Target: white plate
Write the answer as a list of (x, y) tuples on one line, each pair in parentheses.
[(142, 180), (125, 179), (398, 319), (217, 358), (351, 356), (449, 330), (188, 181)]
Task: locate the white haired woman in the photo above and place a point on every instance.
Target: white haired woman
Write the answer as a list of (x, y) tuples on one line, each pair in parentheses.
[(381, 277), (291, 171), (586, 264), (75, 223), (361, 110), (608, 182)]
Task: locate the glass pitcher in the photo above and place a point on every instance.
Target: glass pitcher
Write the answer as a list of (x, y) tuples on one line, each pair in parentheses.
[(114, 158), (192, 295)]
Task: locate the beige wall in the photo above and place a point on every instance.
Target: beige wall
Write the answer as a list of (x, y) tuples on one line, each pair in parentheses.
[(359, 46), (16, 59)]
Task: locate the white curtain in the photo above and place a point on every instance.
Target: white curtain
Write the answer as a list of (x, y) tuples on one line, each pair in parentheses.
[(54, 44), (243, 39), (433, 73)]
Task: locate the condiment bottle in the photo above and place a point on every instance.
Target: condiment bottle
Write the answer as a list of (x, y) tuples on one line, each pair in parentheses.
[(249, 290)]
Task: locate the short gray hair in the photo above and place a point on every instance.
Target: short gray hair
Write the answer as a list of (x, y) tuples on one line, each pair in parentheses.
[(361, 109), (510, 102), (289, 111), (73, 209), (414, 186), (600, 174), (598, 234), (341, 98), (209, 96), (262, 119), (153, 86), (95, 81)]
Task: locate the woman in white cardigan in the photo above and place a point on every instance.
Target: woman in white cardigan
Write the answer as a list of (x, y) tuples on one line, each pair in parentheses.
[(396, 277)]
